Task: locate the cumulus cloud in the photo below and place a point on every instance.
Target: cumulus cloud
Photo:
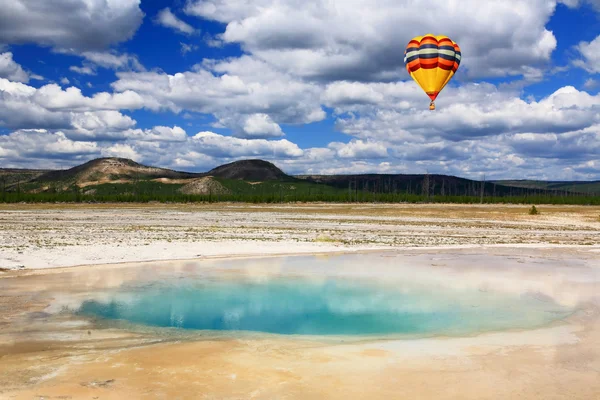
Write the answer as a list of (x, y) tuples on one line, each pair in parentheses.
[(77, 24), (233, 91), (53, 97), (591, 84), (50, 107), (83, 70), (327, 164), (99, 125), (590, 169), (167, 19), (220, 146), (187, 48), (590, 53), (105, 59), (477, 128), (113, 60), (470, 111), (577, 3), (206, 150), (257, 125), (577, 145), (261, 125), (120, 150), (359, 149), (158, 134), (314, 41), (17, 110), (9, 69), (299, 58), (40, 143)]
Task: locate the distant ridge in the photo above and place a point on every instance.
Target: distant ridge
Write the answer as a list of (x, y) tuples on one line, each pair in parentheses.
[(111, 169), (249, 170), (12, 176), (113, 176), (564, 186)]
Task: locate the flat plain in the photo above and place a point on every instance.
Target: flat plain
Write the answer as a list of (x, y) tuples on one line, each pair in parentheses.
[(57, 253), (43, 236)]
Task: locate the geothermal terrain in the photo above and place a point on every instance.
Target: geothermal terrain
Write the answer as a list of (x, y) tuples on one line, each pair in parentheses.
[(55, 255), (43, 236)]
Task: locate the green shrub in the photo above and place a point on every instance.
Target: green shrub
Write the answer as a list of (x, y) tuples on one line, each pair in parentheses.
[(533, 211)]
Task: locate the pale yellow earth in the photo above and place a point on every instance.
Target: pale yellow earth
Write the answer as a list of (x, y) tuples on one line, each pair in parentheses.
[(44, 354), (43, 236)]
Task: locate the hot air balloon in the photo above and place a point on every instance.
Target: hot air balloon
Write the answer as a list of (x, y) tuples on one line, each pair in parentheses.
[(432, 61)]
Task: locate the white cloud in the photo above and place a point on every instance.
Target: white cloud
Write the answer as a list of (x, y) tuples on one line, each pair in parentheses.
[(359, 149), (213, 41), (314, 41), (590, 52), (261, 126), (9, 69), (232, 91), (99, 125), (167, 19), (471, 111), (104, 59), (17, 110), (64, 80), (589, 169), (43, 144), (219, 146), (113, 60), (83, 70), (335, 166), (299, 57), (187, 48), (591, 84), (50, 107), (77, 24), (477, 128), (53, 97), (577, 3), (159, 134), (121, 150)]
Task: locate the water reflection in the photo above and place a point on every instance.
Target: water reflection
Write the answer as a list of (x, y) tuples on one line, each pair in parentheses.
[(331, 306), (342, 294)]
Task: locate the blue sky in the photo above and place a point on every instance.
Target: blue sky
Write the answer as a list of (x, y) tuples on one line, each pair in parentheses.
[(315, 87)]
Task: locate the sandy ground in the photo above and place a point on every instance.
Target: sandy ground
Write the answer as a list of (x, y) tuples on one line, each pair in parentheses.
[(46, 355), (62, 235)]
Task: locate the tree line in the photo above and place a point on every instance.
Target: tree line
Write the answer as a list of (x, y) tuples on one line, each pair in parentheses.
[(367, 188), (287, 197)]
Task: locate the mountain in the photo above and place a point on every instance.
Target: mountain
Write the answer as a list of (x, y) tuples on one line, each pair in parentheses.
[(203, 186), (444, 185), (120, 176), (590, 187), (253, 180), (110, 169), (12, 176), (249, 170)]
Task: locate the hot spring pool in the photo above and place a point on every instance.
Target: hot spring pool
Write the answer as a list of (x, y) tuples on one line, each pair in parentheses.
[(330, 305)]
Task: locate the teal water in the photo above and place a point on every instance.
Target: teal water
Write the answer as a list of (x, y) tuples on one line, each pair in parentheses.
[(334, 306)]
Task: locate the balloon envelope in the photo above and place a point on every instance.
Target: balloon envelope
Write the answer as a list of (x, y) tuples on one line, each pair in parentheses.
[(432, 61)]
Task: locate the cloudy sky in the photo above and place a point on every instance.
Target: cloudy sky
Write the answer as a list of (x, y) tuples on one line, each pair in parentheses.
[(315, 86)]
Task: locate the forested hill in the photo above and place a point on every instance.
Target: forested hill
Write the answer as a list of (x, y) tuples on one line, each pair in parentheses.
[(120, 179)]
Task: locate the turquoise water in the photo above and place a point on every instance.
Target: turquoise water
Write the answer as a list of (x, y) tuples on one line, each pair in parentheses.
[(334, 306)]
